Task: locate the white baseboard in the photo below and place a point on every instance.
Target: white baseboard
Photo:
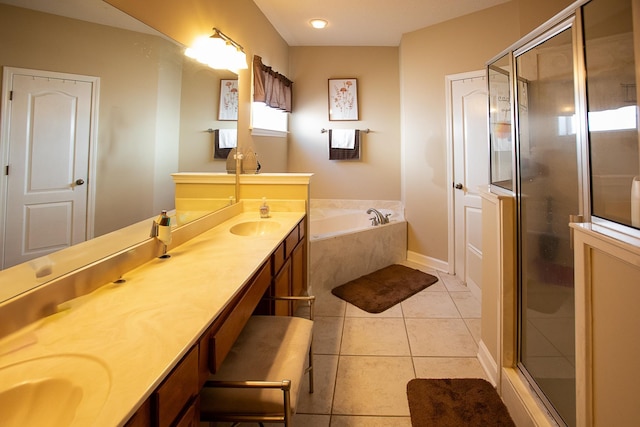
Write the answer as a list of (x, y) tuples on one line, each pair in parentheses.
[(475, 289), (487, 362), (427, 262)]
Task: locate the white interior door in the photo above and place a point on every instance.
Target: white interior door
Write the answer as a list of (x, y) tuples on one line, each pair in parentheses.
[(470, 170), (48, 165)]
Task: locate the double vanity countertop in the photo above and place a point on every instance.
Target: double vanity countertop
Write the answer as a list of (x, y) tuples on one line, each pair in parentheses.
[(130, 335)]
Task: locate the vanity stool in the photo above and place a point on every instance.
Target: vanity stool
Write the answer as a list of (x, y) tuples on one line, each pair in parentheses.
[(260, 378)]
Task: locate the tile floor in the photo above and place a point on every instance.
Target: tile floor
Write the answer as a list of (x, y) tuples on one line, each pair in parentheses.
[(364, 361)]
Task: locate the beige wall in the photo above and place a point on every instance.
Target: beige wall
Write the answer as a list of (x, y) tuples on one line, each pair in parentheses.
[(426, 57), (376, 176), (137, 111), (201, 86), (403, 96), (243, 22)]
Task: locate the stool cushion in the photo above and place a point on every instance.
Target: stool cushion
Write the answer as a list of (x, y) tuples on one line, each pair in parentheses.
[(269, 348)]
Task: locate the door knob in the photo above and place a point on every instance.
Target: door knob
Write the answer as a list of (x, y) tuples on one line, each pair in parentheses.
[(458, 186), (79, 181)]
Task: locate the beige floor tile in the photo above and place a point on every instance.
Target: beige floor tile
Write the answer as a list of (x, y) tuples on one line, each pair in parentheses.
[(319, 402), (308, 420), (359, 421), (372, 385), (467, 303), (430, 305), (448, 367), (353, 311), (374, 337), (328, 304), (475, 327), (440, 337), (327, 334)]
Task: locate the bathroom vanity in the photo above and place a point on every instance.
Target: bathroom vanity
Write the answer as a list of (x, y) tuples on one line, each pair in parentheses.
[(144, 345)]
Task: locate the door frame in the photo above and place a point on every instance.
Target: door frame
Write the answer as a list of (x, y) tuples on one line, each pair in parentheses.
[(449, 79), (7, 79)]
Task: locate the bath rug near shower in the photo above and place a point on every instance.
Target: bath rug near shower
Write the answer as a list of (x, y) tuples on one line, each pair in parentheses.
[(455, 402), (382, 289)]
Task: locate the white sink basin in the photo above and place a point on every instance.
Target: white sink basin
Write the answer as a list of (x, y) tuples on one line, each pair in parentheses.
[(255, 228), (61, 390)]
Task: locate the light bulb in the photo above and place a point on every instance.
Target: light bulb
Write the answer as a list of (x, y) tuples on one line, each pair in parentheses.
[(318, 23)]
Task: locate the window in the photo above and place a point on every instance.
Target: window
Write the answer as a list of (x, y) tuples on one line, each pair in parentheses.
[(267, 121)]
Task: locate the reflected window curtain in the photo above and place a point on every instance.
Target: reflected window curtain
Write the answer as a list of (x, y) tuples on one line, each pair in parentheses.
[(271, 87)]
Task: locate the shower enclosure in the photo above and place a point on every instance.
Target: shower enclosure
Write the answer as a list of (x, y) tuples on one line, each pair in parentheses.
[(564, 143)]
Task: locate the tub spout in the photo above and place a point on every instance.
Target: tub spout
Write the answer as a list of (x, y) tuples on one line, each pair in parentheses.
[(379, 217)]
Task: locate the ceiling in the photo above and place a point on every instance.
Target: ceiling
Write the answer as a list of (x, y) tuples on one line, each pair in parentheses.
[(361, 22), (351, 22)]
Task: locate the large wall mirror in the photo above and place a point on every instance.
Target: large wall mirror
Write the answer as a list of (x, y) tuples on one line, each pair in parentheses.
[(154, 112)]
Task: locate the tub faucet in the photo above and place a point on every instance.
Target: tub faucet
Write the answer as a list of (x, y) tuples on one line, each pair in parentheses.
[(379, 218)]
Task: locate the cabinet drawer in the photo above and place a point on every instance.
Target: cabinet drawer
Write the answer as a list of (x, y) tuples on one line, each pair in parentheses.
[(178, 388), (222, 339), (291, 242), (278, 257), (302, 228)]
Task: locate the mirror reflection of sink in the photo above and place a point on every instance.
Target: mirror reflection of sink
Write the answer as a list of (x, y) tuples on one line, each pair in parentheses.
[(255, 228), (60, 390)]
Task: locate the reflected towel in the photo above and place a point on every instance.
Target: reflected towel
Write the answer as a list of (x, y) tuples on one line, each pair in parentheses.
[(218, 151), (343, 138), (228, 138), (345, 153)]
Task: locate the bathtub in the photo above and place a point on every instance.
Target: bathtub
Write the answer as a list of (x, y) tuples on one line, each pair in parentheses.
[(344, 245)]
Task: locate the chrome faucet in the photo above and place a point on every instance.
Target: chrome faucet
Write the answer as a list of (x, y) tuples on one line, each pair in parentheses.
[(379, 218)]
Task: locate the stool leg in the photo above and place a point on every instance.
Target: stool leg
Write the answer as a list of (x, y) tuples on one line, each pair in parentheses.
[(311, 368)]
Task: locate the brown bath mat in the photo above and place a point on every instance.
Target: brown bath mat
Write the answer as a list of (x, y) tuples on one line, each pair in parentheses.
[(455, 402), (382, 289)]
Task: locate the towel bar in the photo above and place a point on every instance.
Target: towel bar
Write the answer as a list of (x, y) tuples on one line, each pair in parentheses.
[(323, 130)]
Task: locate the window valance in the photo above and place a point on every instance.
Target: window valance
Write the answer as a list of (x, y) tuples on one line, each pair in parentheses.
[(271, 87)]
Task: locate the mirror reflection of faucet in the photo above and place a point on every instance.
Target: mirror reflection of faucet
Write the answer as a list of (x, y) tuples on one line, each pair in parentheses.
[(161, 229)]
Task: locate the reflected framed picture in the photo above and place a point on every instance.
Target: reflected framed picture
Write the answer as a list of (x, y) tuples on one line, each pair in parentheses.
[(228, 108), (343, 99)]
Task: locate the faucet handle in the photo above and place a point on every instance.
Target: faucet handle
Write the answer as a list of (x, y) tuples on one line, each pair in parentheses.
[(374, 221)]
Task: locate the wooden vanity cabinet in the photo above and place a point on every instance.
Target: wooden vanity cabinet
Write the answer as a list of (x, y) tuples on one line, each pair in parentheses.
[(222, 334), (142, 417), (290, 269), (175, 402), (175, 399)]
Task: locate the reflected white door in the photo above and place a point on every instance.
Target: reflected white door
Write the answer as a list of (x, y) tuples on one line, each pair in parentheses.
[(470, 170), (48, 165)]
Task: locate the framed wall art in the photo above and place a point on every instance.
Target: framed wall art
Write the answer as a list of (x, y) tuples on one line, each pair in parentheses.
[(228, 108), (343, 99)]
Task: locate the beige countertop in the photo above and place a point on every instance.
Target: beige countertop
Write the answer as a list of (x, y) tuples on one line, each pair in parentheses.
[(138, 330)]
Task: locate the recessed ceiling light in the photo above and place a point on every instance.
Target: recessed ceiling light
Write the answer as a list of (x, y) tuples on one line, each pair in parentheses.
[(318, 23)]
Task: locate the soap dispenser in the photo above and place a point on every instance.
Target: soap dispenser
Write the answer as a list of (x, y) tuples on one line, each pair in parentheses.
[(264, 209)]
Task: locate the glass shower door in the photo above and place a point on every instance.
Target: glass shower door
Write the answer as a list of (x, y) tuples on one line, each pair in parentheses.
[(547, 195)]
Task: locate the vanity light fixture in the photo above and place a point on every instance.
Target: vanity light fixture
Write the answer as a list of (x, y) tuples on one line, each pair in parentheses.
[(318, 23), (218, 51)]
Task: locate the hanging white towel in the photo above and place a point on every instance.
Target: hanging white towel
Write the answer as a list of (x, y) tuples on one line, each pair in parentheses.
[(343, 138), (228, 138)]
